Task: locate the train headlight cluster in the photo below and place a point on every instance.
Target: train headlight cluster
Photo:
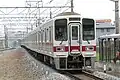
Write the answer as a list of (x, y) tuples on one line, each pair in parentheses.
[(89, 48), (60, 49)]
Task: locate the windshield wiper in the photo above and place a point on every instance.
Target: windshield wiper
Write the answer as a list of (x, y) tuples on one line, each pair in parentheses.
[(62, 41), (88, 41), (63, 38)]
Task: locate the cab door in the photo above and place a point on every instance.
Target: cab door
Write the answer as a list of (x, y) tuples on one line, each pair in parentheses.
[(74, 38)]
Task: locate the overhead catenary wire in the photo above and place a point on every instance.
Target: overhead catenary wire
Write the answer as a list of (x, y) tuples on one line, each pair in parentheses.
[(55, 13), (32, 11)]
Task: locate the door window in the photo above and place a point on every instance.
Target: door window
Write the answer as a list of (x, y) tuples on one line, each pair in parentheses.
[(74, 32)]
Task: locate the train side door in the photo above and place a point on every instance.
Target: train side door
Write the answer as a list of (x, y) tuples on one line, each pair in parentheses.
[(74, 38)]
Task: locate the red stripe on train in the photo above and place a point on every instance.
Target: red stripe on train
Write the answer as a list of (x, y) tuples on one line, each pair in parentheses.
[(72, 48), (56, 48), (66, 48), (77, 48)]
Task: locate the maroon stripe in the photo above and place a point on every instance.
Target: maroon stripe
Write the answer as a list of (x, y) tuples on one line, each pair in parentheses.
[(73, 48), (65, 47)]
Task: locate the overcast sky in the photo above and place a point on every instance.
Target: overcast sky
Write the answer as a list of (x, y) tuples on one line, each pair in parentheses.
[(98, 9)]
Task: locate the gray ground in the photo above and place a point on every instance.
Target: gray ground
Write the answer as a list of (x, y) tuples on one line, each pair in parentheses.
[(17, 65)]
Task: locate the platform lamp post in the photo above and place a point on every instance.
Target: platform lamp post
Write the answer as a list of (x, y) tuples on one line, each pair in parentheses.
[(116, 15)]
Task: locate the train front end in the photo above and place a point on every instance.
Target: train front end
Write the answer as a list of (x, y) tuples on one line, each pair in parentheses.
[(74, 42)]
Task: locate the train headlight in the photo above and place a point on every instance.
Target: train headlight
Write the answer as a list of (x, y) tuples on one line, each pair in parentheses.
[(89, 48), (60, 48)]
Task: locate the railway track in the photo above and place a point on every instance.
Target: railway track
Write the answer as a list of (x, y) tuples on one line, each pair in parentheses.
[(6, 49), (80, 75)]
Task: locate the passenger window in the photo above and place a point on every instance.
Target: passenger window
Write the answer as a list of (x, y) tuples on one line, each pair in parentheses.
[(39, 36), (50, 37), (47, 35), (43, 37)]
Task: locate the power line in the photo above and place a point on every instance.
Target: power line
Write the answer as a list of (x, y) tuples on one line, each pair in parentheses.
[(10, 11)]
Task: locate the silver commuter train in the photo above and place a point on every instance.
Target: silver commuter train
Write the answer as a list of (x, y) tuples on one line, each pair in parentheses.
[(68, 41)]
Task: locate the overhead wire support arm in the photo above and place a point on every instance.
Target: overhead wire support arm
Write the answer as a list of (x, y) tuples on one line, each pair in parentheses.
[(33, 1), (41, 7)]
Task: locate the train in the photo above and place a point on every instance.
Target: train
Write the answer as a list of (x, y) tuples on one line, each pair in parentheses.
[(67, 41)]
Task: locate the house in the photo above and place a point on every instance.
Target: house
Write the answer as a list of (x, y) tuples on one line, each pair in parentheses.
[(104, 27)]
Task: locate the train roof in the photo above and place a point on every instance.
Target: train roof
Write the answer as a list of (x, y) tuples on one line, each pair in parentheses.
[(110, 36), (67, 13)]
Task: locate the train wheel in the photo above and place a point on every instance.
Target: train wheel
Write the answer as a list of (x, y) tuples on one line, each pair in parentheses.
[(52, 61), (35, 54), (41, 57)]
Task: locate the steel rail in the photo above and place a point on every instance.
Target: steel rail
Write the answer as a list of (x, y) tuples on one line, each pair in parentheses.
[(91, 75)]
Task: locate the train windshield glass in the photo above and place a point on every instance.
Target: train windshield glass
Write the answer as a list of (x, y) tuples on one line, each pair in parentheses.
[(61, 30), (88, 29)]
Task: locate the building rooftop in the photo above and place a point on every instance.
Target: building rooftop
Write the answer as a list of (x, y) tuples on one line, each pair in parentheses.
[(104, 23)]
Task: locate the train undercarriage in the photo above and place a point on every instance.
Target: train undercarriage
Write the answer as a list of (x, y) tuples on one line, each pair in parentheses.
[(63, 63)]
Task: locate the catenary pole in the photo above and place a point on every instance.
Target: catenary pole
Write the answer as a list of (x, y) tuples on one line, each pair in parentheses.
[(116, 16), (71, 5)]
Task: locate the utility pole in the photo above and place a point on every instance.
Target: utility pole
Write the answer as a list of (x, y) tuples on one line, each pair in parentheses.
[(50, 14), (39, 19), (6, 36), (72, 6), (116, 16)]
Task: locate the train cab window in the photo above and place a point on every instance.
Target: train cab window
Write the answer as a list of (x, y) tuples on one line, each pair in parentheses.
[(61, 30), (88, 29)]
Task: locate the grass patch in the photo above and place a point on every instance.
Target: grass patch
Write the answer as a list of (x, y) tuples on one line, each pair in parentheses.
[(97, 56)]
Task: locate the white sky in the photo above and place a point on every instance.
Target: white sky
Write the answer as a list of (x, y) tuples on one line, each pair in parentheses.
[(98, 9)]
